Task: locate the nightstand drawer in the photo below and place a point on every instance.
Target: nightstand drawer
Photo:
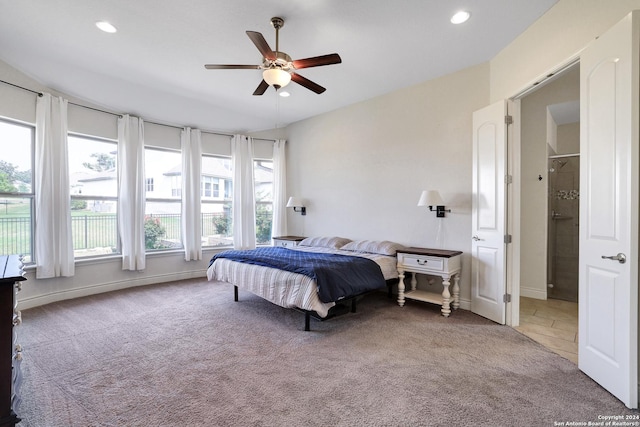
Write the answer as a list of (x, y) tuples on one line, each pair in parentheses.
[(287, 241), (284, 243), (421, 262)]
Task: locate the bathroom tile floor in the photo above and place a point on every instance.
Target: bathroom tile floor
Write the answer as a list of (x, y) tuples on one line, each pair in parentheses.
[(553, 323)]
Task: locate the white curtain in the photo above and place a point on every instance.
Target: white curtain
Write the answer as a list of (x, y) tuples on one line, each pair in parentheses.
[(244, 212), (279, 225), (191, 142), (131, 194), (53, 239)]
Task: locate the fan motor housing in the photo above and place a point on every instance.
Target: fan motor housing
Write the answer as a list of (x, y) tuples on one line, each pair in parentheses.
[(282, 61)]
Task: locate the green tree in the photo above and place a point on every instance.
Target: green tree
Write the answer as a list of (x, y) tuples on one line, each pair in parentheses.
[(12, 174), (24, 176), (104, 162), (5, 183), (263, 223), (78, 205), (154, 231), (222, 224)]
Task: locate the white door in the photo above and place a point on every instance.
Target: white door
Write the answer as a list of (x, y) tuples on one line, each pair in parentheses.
[(488, 213), (608, 284)]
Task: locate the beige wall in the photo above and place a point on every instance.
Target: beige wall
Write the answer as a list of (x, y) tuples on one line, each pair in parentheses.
[(362, 168), (560, 34), (569, 138)]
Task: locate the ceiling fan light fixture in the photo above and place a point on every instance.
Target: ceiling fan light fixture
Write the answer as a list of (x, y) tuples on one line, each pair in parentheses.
[(106, 27), (276, 77), (460, 17)]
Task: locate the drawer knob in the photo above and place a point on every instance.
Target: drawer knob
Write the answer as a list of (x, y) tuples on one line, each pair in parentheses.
[(421, 261)]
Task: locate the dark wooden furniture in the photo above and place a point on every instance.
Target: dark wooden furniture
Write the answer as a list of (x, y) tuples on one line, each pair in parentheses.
[(10, 281)]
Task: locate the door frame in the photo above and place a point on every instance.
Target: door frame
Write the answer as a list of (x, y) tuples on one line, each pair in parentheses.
[(514, 160), (513, 212)]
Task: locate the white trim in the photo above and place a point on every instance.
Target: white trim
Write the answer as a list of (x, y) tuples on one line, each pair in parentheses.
[(532, 293), (548, 77), (513, 214), (465, 304), (107, 287), (513, 203)]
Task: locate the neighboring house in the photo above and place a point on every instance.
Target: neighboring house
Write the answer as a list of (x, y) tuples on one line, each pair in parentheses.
[(160, 183)]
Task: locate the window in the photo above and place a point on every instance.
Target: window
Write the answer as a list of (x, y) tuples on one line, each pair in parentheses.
[(93, 181), (17, 142), (149, 184), (216, 207), (263, 182), (162, 229), (176, 186), (210, 187)]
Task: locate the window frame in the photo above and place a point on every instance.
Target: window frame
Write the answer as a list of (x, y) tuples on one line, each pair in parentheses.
[(87, 198), (171, 200), (225, 202), (268, 204), (32, 194)]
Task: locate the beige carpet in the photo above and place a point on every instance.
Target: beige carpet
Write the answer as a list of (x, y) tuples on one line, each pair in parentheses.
[(185, 354)]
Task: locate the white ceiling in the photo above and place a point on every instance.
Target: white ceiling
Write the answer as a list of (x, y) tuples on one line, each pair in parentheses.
[(154, 65)]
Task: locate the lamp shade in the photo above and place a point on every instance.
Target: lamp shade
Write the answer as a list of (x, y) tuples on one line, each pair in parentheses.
[(276, 77), (430, 198), (295, 202)]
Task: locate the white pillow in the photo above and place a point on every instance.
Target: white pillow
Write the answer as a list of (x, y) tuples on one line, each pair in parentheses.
[(325, 242), (383, 247)]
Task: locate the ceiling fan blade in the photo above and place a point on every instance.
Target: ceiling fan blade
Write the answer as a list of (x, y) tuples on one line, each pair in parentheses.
[(231, 67), (303, 81), (262, 45), (262, 87), (317, 61)]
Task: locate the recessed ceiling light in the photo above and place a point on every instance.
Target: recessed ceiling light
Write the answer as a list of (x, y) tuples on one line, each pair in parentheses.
[(284, 94), (106, 27), (460, 17)]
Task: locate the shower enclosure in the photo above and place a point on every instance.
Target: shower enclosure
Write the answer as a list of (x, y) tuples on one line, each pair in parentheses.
[(563, 227)]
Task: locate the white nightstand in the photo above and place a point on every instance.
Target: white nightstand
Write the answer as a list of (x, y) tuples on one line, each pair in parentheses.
[(436, 262), (287, 241)]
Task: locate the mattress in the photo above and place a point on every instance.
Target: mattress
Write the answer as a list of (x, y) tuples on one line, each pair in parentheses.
[(286, 289)]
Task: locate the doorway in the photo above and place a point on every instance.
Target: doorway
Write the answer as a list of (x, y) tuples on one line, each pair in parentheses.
[(550, 212)]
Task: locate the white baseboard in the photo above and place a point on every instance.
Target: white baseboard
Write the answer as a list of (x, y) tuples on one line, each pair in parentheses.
[(533, 293), (106, 287)]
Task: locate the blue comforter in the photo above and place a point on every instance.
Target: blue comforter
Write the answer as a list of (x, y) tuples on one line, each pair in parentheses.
[(337, 276)]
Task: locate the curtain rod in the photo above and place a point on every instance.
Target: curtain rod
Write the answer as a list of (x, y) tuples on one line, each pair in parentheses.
[(182, 127), (120, 115), (72, 103), (206, 131), (23, 88)]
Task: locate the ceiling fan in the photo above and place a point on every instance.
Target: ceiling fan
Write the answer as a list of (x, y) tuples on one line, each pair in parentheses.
[(278, 67)]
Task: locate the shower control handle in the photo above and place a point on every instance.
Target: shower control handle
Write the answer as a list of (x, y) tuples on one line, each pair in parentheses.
[(621, 258)]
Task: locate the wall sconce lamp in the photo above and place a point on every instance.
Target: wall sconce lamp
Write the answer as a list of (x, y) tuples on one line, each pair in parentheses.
[(432, 198), (297, 205)]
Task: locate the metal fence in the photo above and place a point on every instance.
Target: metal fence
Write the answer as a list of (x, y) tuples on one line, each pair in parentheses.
[(101, 231), (15, 235)]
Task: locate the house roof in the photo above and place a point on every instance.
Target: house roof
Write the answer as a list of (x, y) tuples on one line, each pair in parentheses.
[(154, 65)]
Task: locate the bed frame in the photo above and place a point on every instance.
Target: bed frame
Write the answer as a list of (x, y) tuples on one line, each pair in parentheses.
[(336, 310)]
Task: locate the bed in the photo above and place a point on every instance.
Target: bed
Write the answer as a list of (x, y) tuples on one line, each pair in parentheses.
[(292, 287)]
